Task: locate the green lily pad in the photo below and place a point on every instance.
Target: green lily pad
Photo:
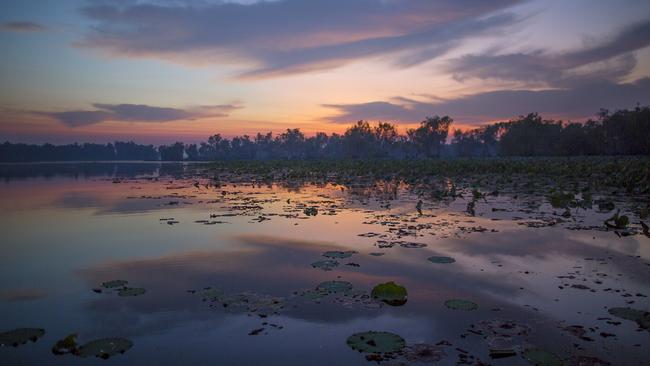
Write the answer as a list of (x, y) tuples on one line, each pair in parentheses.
[(441, 260), (66, 345), (459, 304), (334, 286), (539, 357), (390, 293), (339, 254), (642, 318), (131, 291), (104, 348), (114, 283), (20, 336), (376, 342), (326, 265)]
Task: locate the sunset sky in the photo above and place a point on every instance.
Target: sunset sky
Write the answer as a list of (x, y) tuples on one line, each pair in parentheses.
[(157, 71)]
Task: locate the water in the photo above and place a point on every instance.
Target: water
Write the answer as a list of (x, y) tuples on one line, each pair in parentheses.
[(69, 227)]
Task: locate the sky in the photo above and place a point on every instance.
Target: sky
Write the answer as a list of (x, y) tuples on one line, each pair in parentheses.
[(158, 71)]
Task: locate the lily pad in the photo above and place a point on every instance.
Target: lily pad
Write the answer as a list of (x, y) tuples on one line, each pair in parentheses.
[(66, 345), (376, 342), (642, 318), (390, 293), (104, 348), (459, 304), (131, 291), (441, 260), (411, 245), (20, 336), (114, 283), (334, 286), (339, 254), (326, 265), (539, 357)]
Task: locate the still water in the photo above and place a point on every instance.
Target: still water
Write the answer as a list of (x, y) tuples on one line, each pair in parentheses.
[(231, 267)]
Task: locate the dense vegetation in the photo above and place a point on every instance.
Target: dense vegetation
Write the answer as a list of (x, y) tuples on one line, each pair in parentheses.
[(624, 132)]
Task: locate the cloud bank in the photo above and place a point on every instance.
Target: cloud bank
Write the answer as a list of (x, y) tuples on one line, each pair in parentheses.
[(611, 59), (137, 113), (291, 36), (22, 27), (581, 101)]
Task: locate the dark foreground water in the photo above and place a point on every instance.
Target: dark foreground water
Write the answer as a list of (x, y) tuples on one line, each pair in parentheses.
[(231, 270)]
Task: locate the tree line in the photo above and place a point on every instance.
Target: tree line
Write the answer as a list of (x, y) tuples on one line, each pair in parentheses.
[(623, 132)]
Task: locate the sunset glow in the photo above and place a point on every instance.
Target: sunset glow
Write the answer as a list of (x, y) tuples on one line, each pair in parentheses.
[(158, 71)]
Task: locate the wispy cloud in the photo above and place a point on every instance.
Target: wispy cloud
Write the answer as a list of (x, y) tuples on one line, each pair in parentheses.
[(290, 36), (22, 26), (610, 59), (138, 113), (577, 102)]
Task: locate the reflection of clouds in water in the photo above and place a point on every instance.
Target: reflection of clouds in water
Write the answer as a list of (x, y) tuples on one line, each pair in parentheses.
[(278, 267), (546, 245)]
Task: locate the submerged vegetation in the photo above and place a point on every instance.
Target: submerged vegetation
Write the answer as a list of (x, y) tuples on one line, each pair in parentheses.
[(624, 132)]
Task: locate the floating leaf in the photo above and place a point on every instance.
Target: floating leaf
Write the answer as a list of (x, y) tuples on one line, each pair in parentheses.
[(66, 345), (131, 291), (411, 245), (104, 348), (642, 318), (390, 293), (376, 342), (339, 254), (459, 304), (539, 357), (114, 283), (441, 260), (20, 336), (326, 265), (334, 286)]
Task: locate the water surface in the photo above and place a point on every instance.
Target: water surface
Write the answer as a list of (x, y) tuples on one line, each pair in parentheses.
[(178, 232)]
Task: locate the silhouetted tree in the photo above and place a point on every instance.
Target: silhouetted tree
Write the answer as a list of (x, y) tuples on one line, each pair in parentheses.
[(172, 153), (430, 136), (622, 132)]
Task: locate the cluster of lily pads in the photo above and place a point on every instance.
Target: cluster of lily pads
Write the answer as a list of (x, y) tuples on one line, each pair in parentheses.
[(120, 287), (103, 348)]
